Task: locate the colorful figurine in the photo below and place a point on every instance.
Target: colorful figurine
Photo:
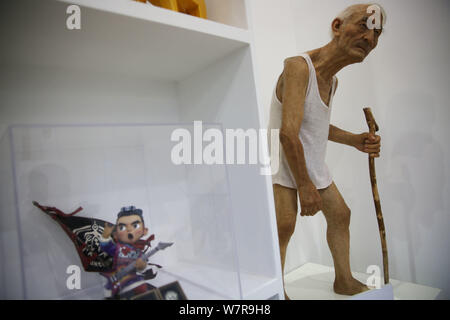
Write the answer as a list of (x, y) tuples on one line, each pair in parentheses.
[(128, 277), (117, 252)]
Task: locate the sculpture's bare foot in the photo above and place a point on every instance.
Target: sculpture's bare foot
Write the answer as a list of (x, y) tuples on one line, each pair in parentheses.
[(349, 287)]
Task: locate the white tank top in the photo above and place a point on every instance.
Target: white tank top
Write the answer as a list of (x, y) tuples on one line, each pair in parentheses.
[(313, 134)]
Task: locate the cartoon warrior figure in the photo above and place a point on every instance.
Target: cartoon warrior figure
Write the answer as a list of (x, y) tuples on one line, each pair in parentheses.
[(129, 229), (117, 251)]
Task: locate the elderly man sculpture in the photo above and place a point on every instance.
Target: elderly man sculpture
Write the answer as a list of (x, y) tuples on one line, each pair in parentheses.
[(300, 109)]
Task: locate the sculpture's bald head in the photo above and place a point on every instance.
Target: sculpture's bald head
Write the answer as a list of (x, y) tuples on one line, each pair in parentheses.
[(356, 29), (350, 12)]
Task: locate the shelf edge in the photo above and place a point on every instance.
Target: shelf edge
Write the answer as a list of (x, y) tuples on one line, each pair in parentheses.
[(148, 12)]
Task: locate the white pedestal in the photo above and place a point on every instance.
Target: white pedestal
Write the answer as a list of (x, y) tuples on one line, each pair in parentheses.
[(314, 281)]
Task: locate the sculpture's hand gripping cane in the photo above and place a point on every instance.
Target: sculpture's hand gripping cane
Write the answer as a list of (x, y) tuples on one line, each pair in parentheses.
[(373, 127)]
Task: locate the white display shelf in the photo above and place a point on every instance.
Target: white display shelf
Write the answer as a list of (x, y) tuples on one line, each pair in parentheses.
[(148, 12), (134, 64), (252, 286), (120, 36), (315, 282), (194, 290)]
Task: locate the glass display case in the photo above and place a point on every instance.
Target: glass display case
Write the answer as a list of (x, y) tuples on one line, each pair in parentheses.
[(101, 169)]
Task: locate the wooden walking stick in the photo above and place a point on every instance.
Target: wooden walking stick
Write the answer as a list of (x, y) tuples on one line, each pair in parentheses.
[(373, 127)]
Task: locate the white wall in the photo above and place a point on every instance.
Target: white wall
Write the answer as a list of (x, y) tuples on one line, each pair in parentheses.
[(405, 81), (274, 40), (230, 12)]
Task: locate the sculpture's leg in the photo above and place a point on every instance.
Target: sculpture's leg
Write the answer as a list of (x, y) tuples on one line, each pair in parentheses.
[(337, 215), (286, 211)]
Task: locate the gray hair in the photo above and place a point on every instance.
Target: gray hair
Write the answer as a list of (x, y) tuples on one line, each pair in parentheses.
[(349, 11)]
